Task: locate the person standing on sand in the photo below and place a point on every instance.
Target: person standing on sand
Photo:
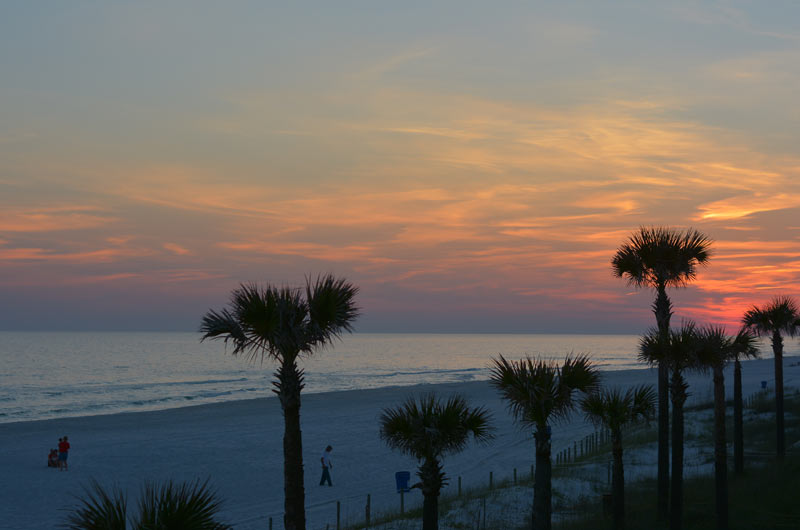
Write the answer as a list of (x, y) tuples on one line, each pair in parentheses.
[(63, 453), (326, 466)]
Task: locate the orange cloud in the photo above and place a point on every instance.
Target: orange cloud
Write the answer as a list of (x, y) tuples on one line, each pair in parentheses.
[(177, 249), (52, 219)]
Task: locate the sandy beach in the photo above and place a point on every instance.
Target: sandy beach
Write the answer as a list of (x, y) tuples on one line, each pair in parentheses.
[(238, 446)]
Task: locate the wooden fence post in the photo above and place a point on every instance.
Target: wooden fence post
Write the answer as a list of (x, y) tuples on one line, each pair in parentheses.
[(367, 509), (338, 515)]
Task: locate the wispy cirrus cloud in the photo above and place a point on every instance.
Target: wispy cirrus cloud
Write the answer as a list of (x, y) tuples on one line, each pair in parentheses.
[(53, 219)]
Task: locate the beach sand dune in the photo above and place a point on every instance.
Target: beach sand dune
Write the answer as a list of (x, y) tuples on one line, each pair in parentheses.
[(238, 446)]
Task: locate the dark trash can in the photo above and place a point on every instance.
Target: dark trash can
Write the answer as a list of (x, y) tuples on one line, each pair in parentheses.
[(763, 385), (402, 478)]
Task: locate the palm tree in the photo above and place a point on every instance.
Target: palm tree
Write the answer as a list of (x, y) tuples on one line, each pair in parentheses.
[(678, 353), (282, 324), (166, 507), (779, 316), (744, 346), (539, 392), (715, 350), (659, 257), (615, 410), (428, 430)]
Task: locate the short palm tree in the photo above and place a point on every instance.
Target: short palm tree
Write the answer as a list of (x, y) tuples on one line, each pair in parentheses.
[(679, 353), (614, 410), (540, 392), (284, 323), (779, 316), (715, 350), (428, 429), (660, 257), (167, 507), (744, 346)]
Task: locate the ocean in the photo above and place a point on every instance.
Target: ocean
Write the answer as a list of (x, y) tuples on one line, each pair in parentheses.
[(64, 374)]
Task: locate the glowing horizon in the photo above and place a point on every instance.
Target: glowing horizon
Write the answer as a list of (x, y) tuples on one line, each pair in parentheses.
[(470, 168)]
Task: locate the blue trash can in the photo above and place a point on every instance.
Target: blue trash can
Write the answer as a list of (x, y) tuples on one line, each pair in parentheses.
[(763, 384), (402, 478)]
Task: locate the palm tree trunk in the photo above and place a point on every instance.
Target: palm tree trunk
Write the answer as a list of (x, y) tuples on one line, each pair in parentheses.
[(662, 307), (720, 450), (678, 391), (542, 484), (288, 386), (618, 480), (432, 477), (777, 350), (738, 423)]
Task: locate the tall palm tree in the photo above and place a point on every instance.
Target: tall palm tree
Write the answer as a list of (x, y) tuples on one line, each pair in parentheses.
[(428, 430), (283, 324), (169, 506), (538, 393), (779, 316), (715, 350), (744, 346), (614, 410), (678, 352), (660, 257)]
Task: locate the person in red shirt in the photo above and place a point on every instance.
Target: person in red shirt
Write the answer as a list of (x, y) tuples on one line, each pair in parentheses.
[(63, 453)]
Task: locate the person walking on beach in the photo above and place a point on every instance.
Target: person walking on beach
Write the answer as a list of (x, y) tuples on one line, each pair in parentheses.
[(63, 453), (326, 466)]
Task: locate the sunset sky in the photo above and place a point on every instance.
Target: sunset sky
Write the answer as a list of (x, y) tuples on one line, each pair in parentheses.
[(472, 166)]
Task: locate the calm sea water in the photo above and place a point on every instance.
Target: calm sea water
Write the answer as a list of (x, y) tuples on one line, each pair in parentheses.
[(51, 375)]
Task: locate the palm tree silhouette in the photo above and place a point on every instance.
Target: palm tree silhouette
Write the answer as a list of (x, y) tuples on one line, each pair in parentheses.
[(660, 257), (716, 349), (678, 352), (744, 346), (614, 410), (169, 506), (428, 430), (777, 317), (282, 324), (539, 392)]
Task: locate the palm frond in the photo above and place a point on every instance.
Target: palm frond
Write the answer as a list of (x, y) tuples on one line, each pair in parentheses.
[(99, 509), (745, 345), (652, 347), (332, 308), (656, 256), (715, 348), (613, 409), (187, 505), (781, 314), (429, 428), (539, 391)]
